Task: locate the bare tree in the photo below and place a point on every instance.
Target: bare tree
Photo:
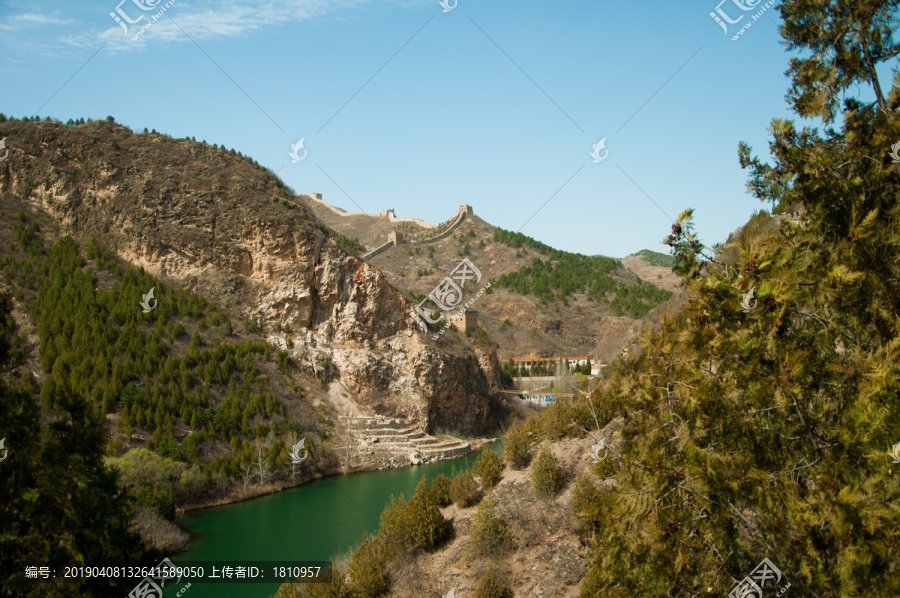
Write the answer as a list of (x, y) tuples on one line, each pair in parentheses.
[(262, 463), (246, 471)]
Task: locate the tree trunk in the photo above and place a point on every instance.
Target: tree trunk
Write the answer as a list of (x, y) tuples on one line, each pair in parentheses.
[(873, 77)]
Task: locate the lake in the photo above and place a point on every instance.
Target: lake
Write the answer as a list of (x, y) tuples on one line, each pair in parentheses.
[(313, 522)]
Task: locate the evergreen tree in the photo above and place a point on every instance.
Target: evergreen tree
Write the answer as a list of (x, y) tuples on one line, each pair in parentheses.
[(762, 432), (59, 504), (844, 42), (423, 518)]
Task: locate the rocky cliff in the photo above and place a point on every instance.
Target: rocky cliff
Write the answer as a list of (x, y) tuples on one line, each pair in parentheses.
[(216, 222)]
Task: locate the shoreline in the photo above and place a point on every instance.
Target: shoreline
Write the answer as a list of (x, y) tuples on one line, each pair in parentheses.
[(475, 444)]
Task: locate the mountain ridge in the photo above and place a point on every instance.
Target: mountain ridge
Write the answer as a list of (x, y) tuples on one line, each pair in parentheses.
[(522, 324)]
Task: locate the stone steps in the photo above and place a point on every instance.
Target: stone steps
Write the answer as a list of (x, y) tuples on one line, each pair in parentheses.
[(391, 433), (393, 438), (379, 422), (422, 440)]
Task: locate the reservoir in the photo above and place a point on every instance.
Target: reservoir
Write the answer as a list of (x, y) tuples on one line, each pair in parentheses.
[(313, 522)]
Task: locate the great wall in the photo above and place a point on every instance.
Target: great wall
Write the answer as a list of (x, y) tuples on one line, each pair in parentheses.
[(396, 238)]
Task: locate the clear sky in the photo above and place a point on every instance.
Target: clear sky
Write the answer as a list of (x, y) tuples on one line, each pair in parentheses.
[(401, 105)]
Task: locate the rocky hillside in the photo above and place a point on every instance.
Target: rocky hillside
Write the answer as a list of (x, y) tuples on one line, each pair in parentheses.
[(205, 219), (521, 323)]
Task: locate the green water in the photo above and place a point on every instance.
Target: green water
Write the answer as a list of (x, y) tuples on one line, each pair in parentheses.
[(312, 522)]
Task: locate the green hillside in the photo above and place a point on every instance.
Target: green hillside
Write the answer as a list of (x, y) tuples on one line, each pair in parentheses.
[(562, 273), (177, 380), (654, 258)]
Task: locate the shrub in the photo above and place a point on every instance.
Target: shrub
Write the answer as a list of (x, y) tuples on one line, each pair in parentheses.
[(546, 474), (481, 336), (464, 489), (516, 444), (333, 587), (489, 467), (440, 487), (160, 501), (393, 534), (586, 499), (488, 531), (562, 419), (368, 570), (594, 582), (492, 585), (423, 519)]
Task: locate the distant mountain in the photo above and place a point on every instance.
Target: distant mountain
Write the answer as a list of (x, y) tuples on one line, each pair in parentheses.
[(545, 302), (654, 258)]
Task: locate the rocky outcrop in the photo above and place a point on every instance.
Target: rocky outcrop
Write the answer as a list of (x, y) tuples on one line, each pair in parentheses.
[(208, 220), (490, 365)]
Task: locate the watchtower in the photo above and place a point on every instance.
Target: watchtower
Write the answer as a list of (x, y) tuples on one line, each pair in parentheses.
[(468, 320)]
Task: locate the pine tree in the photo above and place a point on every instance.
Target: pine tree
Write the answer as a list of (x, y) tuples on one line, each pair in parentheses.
[(368, 570), (489, 467), (843, 42), (422, 518), (60, 504), (761, 432)]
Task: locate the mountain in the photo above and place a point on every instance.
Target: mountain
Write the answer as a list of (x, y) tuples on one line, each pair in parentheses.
[(544, 302), (181, 292), (210, 221)]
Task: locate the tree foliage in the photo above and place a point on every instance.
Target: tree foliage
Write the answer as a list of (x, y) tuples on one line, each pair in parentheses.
[(98, 346), (762, 431), (844, 43), (517, 443), (423, 519), (492, 585), (464, 490), (440, 486), (565, 273), (489, 467), (59, 503), (368, 570), (547, 476), (488, 532)]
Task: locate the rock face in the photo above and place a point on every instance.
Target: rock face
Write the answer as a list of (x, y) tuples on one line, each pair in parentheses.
[(205, 219), (405, 376)]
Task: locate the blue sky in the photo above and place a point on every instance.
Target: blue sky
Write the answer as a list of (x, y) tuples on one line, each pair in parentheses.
[(495, 104)]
